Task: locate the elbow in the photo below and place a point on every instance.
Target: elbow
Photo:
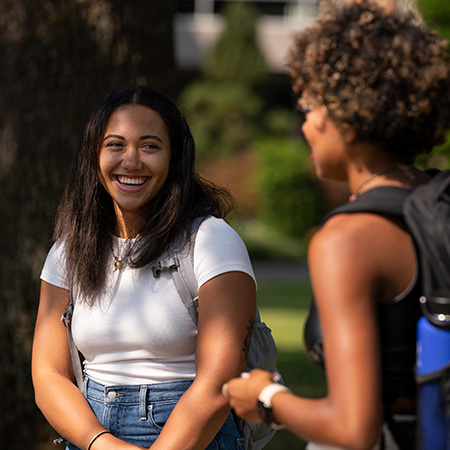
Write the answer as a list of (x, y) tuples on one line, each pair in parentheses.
[(361, 437), (39, 396)]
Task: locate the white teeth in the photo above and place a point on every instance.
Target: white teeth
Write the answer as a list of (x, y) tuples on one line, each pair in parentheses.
[(131, 181)]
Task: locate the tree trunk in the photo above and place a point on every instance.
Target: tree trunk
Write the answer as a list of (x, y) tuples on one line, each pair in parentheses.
[(57, 58)]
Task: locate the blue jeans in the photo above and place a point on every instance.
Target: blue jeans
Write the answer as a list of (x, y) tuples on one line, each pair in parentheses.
[(137, 414)]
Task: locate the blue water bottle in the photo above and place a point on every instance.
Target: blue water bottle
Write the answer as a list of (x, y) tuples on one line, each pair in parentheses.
[(433, 373)]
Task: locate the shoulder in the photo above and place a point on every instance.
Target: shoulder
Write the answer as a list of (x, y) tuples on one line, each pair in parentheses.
[(54, 270), (219, 249), (218, 230), (349, 230), (356, 242)]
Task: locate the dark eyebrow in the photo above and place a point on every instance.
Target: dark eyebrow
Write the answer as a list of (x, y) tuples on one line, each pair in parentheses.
[(150, 136), (115, 136), (142, 138)]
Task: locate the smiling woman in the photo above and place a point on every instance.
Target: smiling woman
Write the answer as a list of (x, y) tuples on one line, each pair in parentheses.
[(132, 199)]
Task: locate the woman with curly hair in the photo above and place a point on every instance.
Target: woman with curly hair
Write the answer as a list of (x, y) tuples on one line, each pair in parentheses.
[(375, 87), (152, 377)]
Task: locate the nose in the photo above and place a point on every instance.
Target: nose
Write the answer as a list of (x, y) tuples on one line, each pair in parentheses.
[(131, 159), (304, 126)]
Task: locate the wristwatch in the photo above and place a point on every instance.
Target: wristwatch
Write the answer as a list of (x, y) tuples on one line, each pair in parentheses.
[(265, 404)]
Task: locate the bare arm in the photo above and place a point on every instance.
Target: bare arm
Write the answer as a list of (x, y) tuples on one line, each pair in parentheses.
[(346, 286), (227, 306), (59, 399)]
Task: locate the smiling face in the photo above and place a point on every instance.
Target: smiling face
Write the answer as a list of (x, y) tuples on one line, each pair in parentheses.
[(134, 161)]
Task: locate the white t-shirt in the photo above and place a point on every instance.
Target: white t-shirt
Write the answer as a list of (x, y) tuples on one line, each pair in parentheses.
[(139, 331)]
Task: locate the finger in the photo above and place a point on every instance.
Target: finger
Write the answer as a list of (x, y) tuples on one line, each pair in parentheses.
[(225, 390)]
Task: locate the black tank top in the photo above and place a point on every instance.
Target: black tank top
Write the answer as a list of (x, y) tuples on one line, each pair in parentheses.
[(396, 319)]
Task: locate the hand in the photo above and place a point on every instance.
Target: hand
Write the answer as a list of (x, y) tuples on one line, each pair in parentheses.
[(243, 392)]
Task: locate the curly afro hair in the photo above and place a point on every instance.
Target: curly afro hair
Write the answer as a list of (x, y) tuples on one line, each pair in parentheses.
[(385, 75)]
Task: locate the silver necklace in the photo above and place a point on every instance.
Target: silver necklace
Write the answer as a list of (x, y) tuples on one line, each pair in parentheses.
[(405, 168)]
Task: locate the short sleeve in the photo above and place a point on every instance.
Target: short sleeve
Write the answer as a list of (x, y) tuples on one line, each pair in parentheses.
[(219, 249), (54, 271)]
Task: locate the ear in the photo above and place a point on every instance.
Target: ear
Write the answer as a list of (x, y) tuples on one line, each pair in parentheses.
[(348, 133)]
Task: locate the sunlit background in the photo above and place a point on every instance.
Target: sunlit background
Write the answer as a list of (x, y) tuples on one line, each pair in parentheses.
[(223, 63)]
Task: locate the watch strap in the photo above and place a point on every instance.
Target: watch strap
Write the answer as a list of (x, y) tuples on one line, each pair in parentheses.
[(265, 404)]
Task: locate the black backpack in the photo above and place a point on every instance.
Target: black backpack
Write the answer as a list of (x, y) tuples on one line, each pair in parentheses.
[(427, 214)]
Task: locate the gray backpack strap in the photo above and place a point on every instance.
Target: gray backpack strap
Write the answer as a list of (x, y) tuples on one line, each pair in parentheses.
[(188, 296), (180, 264), (76, 362)]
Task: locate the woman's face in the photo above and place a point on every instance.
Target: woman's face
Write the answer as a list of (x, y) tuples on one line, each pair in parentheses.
[(134, 160), (328, 147)]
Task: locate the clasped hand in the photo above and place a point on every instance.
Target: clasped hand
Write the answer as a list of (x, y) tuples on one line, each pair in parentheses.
[(242, 393)]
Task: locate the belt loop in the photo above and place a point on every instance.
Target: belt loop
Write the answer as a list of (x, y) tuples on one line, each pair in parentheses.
[(85, 383), (143, 402)]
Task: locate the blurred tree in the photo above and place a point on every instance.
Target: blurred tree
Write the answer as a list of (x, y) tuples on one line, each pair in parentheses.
[(437, 15), (57, 58), (236, 58), (224, 107)]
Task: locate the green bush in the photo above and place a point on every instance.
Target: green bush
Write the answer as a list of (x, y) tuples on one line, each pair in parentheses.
[(291, 199)]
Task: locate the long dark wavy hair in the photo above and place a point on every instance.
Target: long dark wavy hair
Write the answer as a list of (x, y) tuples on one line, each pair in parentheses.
[(86, 220)]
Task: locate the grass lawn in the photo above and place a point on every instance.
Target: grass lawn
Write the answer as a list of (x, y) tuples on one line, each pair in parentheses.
[(283, 306)]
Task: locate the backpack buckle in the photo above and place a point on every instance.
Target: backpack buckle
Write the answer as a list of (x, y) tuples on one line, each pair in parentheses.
[(165, 264)]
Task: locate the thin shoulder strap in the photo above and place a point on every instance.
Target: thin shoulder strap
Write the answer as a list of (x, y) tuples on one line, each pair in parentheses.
[(76, 362)]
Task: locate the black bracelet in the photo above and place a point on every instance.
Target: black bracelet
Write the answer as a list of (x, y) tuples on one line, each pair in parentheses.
[(97, 436)]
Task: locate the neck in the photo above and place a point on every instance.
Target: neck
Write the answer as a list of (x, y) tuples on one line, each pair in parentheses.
[(397, 174), (127, 229)]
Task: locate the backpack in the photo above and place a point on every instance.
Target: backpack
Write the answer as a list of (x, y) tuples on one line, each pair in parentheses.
[(427, 215), (263, 350)]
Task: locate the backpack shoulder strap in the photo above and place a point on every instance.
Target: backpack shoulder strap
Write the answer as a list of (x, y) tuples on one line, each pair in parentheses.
[(180, 264), (181, 268), (76, 362), (427, 214), (383, 200)]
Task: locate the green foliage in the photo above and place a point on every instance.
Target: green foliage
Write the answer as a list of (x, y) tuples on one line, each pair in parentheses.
[(223, 109), (235, 58), (268, 243), (291, 199), (222, 116), (437, 14)]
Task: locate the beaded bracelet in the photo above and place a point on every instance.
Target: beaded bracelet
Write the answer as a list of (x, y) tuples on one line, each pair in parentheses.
[(97, 436)]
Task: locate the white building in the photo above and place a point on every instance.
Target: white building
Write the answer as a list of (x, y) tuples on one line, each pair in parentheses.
[(199, 23)]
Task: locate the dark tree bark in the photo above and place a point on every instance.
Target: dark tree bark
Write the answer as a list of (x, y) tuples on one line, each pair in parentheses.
[(57, 57)]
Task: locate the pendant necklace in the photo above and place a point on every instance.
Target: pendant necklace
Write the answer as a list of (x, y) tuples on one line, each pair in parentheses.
[(403, 167), (121, 262)]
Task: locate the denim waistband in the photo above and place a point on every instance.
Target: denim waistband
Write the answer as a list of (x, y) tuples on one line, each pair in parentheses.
[(121, 395)]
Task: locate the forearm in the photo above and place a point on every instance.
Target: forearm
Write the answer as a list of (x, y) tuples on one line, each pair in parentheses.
[(323, 421), (335, 420), (68, 412), (196, 419)]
